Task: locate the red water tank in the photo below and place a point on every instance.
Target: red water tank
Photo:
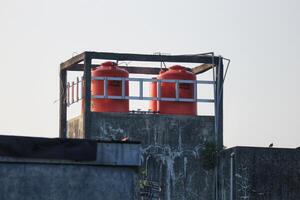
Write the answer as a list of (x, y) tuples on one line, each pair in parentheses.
[(186, 90), (114, 88)]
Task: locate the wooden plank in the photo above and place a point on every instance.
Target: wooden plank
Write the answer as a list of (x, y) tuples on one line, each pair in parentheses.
[(154, 58), (62, 104), (202, 68), (74, 60)]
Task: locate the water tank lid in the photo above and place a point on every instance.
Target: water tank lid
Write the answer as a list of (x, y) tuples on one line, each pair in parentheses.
[(177, 67), (109, 63), (163, 70)]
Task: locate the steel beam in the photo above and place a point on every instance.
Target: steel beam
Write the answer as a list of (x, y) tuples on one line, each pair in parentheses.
[(62, 104), (130, 69), (220, 81), (87, 96), (153, 58)]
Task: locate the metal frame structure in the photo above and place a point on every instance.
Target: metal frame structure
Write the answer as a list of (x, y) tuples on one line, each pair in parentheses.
[(83, 62), (73, 90)]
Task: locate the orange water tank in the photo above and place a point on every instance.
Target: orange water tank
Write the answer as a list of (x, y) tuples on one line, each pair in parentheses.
[(168, 90), (114, 88)]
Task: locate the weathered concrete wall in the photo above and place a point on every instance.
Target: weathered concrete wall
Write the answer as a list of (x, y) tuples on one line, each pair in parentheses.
[(113, 176), (260, 173), (171, 149), (71, 182)]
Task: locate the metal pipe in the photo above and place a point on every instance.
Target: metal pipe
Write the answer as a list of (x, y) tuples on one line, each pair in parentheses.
[(231, 174), (222, 84)]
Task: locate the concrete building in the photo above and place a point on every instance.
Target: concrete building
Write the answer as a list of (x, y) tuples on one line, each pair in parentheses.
[(174, 165), (143, 155), (256, 173), (113, 174), (171, 148), (183, 156)]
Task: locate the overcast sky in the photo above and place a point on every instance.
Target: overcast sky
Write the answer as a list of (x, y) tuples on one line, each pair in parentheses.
[(261, 37)]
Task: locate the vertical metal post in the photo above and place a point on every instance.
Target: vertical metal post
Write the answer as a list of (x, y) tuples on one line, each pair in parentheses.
[(73, 85), (177, 90), (87, 95), (82, 88), (62, 104), (123, 88), (68, 94), (220, 80), (219, 117), (215, 68), (77, 89), (141, 89), (158, 89), (105, 87), (195, 91)]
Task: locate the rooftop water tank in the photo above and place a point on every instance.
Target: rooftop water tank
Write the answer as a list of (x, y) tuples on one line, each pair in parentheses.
[(168, 90), (114, 88)]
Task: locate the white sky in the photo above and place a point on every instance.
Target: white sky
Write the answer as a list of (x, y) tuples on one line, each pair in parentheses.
[(261, 37)]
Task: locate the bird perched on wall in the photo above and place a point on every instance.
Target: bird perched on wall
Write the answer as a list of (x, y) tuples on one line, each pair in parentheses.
[(271, 145)]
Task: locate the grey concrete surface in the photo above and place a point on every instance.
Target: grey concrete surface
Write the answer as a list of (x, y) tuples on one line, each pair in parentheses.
[(108, 153), (119, 154), (114, 175), (171, 149), (260, 173), (31, 181)]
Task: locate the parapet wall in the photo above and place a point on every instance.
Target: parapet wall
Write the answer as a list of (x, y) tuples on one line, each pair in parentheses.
[(259, 173), (112, 175), (171, 148)]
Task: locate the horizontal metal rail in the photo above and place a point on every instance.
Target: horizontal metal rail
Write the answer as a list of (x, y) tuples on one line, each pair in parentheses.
[(141, 96), (153, 98), (152, 80), (159, 98)]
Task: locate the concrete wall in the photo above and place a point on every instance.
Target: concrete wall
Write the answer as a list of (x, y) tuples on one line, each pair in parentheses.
[(171, 149), (113, 176), (260, 173)]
